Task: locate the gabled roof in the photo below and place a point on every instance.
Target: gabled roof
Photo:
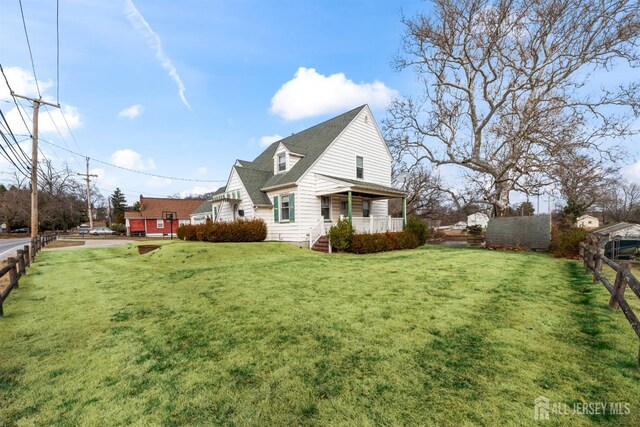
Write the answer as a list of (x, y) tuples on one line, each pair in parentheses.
[(153, 207), (311, 143), (615, 228)]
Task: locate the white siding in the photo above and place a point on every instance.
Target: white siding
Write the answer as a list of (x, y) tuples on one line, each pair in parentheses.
[(285, 231), (226, 208), (360, 138)]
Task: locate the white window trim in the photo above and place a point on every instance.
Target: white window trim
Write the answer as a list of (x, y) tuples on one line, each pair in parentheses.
[(284, 154), (362, 157), (159, 223), (330, 207), (282, 196)]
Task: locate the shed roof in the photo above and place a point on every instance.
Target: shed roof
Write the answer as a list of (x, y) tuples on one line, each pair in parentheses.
[(153, 207)]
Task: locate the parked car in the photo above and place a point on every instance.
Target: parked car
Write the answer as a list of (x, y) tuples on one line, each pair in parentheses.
[(98, 231), (20, 230), (83, 231)]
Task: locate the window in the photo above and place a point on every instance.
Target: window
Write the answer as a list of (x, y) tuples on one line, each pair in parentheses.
[(160, 223), (215, 213), (282, 162), (344, 206), (284, 209), (366, 208), (359, 167), (325, 207)]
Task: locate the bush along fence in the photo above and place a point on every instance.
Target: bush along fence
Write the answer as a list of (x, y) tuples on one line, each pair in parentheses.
[(592, 256), (16, 267)]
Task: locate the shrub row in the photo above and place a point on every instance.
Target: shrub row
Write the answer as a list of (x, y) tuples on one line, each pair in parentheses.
[(380, 242), (242, 230), (343, 238)]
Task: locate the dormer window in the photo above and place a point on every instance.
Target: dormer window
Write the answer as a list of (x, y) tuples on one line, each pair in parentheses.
[(282, 162)]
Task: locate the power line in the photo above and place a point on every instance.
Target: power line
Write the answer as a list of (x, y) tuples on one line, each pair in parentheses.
[(15, 101), (26, 34), (134, 170)]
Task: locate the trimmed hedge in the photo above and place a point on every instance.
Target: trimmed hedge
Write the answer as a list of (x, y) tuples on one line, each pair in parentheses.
[(417, 227), (241, 230), (381, 242), (341, 234)]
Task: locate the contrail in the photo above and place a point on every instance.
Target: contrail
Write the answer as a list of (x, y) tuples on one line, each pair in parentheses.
[(155, 44)]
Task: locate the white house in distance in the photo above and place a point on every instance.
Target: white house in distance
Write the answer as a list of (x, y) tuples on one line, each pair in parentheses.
[(303, 183), (478, 218), (587, 221)]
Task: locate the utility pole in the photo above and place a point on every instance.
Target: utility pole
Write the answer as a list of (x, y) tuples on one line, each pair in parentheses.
[(88, 177), (34, 168)]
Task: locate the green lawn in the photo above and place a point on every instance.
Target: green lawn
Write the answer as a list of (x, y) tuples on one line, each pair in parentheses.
[(269, 334)]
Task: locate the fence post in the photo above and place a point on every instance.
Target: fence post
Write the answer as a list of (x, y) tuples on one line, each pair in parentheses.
[(21, 267), (27, 259), (598, 267), (13, 275), (619, 286)]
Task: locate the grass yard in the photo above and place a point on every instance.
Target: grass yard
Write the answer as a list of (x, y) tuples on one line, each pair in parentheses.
[(268, 334)]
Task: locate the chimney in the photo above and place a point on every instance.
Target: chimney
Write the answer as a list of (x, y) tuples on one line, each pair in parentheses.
[(141, 203)]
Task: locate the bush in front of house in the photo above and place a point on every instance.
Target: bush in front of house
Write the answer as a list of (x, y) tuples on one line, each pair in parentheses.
[(474, 230), (186, 232), (340, 235), (565, 242), (381, 242), (419, 229), (241, 230)]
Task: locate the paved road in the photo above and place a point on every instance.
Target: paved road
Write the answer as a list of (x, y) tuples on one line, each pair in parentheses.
[(8, 247)]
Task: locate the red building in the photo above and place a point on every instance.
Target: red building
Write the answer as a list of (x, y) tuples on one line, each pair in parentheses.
[(152, 220)]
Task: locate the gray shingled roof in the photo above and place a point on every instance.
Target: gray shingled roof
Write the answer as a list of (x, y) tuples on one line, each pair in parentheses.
[(258, 174), (205, 207), (368, 185)]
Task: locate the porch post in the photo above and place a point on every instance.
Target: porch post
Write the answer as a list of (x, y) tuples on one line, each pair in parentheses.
[(404, 211), (349, 213)]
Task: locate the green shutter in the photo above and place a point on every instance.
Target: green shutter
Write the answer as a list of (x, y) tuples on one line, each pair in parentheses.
[(292, 210), (215, 213), (276, 217)]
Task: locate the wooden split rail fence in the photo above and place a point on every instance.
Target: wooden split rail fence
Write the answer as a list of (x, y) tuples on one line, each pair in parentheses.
[(16, 267), (592, 256)]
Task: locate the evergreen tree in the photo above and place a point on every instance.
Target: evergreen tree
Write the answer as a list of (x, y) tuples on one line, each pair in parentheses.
[(119, 203)]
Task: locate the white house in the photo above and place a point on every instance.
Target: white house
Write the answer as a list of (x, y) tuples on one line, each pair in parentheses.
[(202, 213), (303, 183), (478, 218), (587, 221)]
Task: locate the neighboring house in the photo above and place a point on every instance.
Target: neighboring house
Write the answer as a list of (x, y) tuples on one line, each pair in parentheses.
[(478, 218), (302, 184), (152, 220), (460, 225), (621, 230), (587, 221), (202, 213), (621, 240)]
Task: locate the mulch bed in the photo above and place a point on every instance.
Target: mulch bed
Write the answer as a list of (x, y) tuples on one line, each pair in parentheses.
[(143, 249)]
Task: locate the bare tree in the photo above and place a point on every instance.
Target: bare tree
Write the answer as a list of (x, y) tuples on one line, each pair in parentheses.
[(623, 203), (425, 194), (582, 182), (503, 87)]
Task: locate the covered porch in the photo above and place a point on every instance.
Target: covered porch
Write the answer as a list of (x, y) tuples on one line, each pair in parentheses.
[(357, 202)]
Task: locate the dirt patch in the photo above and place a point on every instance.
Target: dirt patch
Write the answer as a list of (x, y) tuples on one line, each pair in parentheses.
[(143, 249), (64, 244)]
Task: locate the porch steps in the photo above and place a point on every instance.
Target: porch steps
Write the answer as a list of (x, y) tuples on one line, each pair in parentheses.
[(322, 245)]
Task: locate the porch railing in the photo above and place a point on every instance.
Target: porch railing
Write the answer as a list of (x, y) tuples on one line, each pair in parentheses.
[(379, 224), (316, 232)]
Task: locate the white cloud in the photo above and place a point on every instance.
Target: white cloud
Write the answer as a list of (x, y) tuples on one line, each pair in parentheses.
[(265, 141), (130, 159), (311, 94), (154, 42), (632, 172), (199, 190), (202, 170), (132, 112), (50, 120)]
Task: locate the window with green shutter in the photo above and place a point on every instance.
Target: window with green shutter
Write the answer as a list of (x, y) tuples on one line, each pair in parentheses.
[(292, 207), (276, 217), (284, 208)]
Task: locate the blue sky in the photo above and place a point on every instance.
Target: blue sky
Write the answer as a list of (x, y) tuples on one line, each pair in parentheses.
[(184, 88)]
